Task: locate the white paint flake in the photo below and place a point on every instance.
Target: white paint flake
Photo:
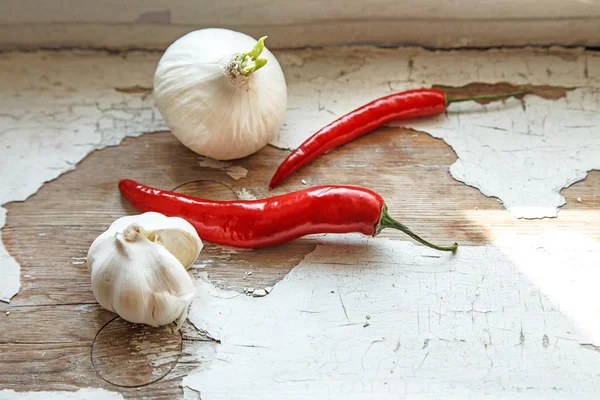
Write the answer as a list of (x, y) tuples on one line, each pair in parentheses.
[(375, 318), (245, 194), (234, 171), (78, 260), (81, 394), (259, 293)]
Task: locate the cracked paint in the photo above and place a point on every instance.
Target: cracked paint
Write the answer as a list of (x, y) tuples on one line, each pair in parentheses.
[(524, 158), (57, 107), (523, 153), (498, 319), (399, 319), (78, 102)]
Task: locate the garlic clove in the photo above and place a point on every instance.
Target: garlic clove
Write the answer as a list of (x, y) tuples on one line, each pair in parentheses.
[(183, 245), (137, 268), (177, 235)]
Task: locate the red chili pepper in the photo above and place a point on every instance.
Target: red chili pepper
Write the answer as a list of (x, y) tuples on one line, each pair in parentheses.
[(403, 105), (275, 220)]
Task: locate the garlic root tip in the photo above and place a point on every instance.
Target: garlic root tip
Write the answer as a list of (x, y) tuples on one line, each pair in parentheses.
[(130, 233)]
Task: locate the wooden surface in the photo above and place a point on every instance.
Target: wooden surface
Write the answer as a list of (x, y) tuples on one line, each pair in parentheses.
[(56, 337)]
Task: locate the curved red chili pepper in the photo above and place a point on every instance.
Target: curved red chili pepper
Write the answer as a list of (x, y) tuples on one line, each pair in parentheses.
[(275, 220), (397, 106)]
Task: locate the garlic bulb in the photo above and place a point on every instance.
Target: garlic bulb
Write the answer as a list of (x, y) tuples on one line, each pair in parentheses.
[(217, 96), (139, 265)]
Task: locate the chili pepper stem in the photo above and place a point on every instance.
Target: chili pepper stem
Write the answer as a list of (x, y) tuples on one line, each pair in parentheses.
[(386, 221), (450, 100)]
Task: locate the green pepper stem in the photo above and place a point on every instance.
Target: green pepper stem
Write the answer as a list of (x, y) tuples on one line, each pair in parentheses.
[(450, 100), (386, 221)]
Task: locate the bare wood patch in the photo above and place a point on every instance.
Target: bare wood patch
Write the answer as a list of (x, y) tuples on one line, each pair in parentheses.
[(474, 89), (134, 90)]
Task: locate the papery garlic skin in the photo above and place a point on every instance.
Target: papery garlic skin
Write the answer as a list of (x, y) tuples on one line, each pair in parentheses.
[(139, 265), (211, 111)]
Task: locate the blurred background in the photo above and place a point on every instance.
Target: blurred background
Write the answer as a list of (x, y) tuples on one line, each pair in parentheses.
[(154, 24)]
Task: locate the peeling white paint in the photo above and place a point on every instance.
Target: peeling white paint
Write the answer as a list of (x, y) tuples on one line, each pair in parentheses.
[(523, 157), (259, 293), (68, 102), (81, 394), (552, 144), (234, 171), (9, 268), (325, 84), (376, 318), (56, 108), (198, 351), (190, 394)]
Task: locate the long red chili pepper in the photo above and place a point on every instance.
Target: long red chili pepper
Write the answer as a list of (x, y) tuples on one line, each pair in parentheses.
[(275, 220), (403, 105)]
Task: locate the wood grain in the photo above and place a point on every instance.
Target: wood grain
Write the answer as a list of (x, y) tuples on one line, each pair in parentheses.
[(45, 341), (133, 356), (68, 366)]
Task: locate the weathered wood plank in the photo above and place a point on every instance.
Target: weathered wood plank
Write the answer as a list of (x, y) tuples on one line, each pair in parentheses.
[(68, 366), (50, 233), (52, 323)]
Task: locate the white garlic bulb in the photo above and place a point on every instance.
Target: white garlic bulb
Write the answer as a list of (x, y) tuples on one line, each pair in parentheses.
[(139, 265), (217, 96)]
